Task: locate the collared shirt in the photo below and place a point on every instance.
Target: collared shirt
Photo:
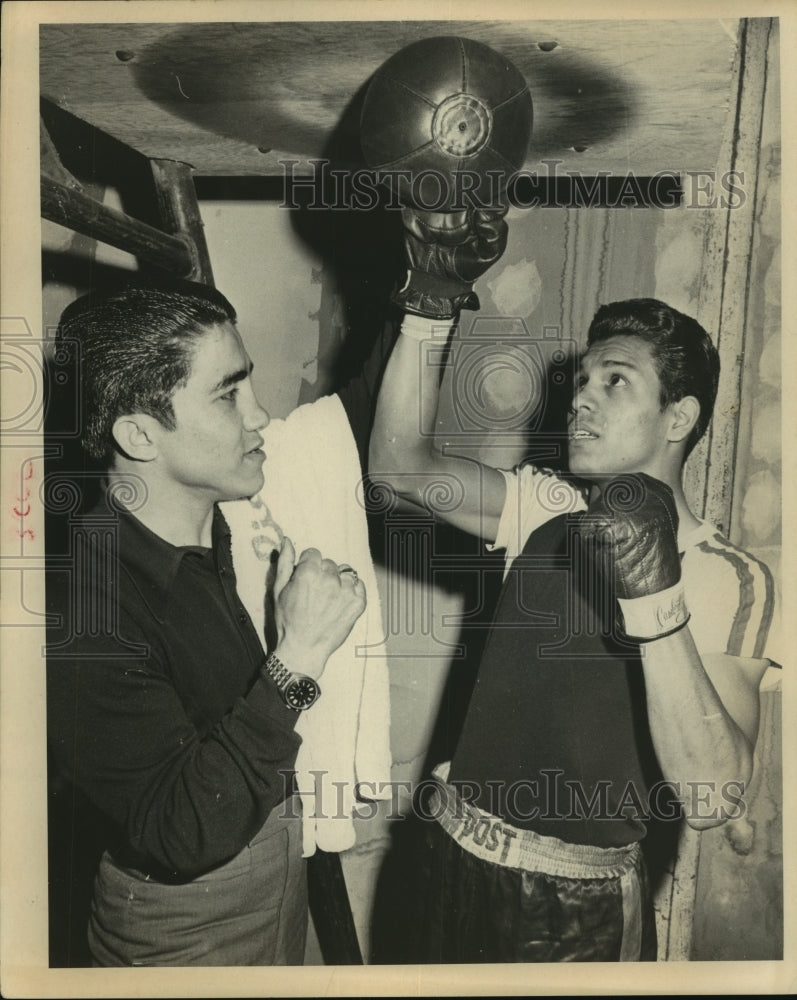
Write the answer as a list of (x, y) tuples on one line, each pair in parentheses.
[(157, 707)]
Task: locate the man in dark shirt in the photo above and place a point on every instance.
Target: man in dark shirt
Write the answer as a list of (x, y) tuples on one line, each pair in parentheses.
[(162, 710)]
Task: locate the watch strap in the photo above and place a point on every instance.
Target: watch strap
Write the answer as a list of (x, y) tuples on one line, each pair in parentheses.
[(277, 671), (286, 680)]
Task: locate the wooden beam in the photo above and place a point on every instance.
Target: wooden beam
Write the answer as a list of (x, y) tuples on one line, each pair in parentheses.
[(65, 200), (233, 99), (724, 289), (179, 211), (80, 212)]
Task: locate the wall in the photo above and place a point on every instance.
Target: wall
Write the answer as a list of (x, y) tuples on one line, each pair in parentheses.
[(744, 860), (275, 282)]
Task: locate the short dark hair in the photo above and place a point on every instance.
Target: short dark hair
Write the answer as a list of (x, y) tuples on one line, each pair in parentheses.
[(136, 348), (686, 360)]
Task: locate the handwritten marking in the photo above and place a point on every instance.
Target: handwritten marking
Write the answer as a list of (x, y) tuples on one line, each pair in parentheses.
[(23, 509)]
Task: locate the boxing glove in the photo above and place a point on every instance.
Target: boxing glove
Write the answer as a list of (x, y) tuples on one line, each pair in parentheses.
[(445, 252), (635, 521)]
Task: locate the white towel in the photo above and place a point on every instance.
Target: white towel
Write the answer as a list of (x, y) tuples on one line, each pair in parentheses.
[(312, 494)]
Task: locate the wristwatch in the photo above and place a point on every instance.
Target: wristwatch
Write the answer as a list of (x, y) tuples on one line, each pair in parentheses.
[(298, 690)]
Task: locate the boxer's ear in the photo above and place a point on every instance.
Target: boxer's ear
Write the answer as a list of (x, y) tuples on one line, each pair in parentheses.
[(684, 415)]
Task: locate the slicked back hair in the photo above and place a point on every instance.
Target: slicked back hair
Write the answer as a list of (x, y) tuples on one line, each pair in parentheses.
[(136, 347)]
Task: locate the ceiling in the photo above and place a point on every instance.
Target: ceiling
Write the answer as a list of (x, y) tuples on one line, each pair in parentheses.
[(235, 98)]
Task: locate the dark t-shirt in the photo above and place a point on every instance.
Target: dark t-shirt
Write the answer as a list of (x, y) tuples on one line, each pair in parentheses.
[(556, 736)]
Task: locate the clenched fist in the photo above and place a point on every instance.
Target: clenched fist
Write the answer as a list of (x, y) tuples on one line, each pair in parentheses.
[(445, 252), (316, 604), (636, 525)]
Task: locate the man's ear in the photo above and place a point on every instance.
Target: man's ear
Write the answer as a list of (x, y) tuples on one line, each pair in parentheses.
[(685, 414), (135, 435)]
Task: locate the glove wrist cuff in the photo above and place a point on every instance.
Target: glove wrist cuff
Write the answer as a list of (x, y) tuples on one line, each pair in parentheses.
[(435, 297), (654, 616), (435, 284)]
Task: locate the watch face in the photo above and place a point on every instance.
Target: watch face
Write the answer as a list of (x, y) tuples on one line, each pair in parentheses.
[(301, 692)]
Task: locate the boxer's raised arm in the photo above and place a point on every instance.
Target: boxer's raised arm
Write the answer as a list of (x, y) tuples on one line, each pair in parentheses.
[(445, 253)]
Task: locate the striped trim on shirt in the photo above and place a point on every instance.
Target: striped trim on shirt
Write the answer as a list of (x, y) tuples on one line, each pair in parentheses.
[(743, 564), (730, 593)]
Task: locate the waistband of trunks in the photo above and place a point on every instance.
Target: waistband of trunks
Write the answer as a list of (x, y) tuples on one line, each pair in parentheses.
[(492, 839)]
